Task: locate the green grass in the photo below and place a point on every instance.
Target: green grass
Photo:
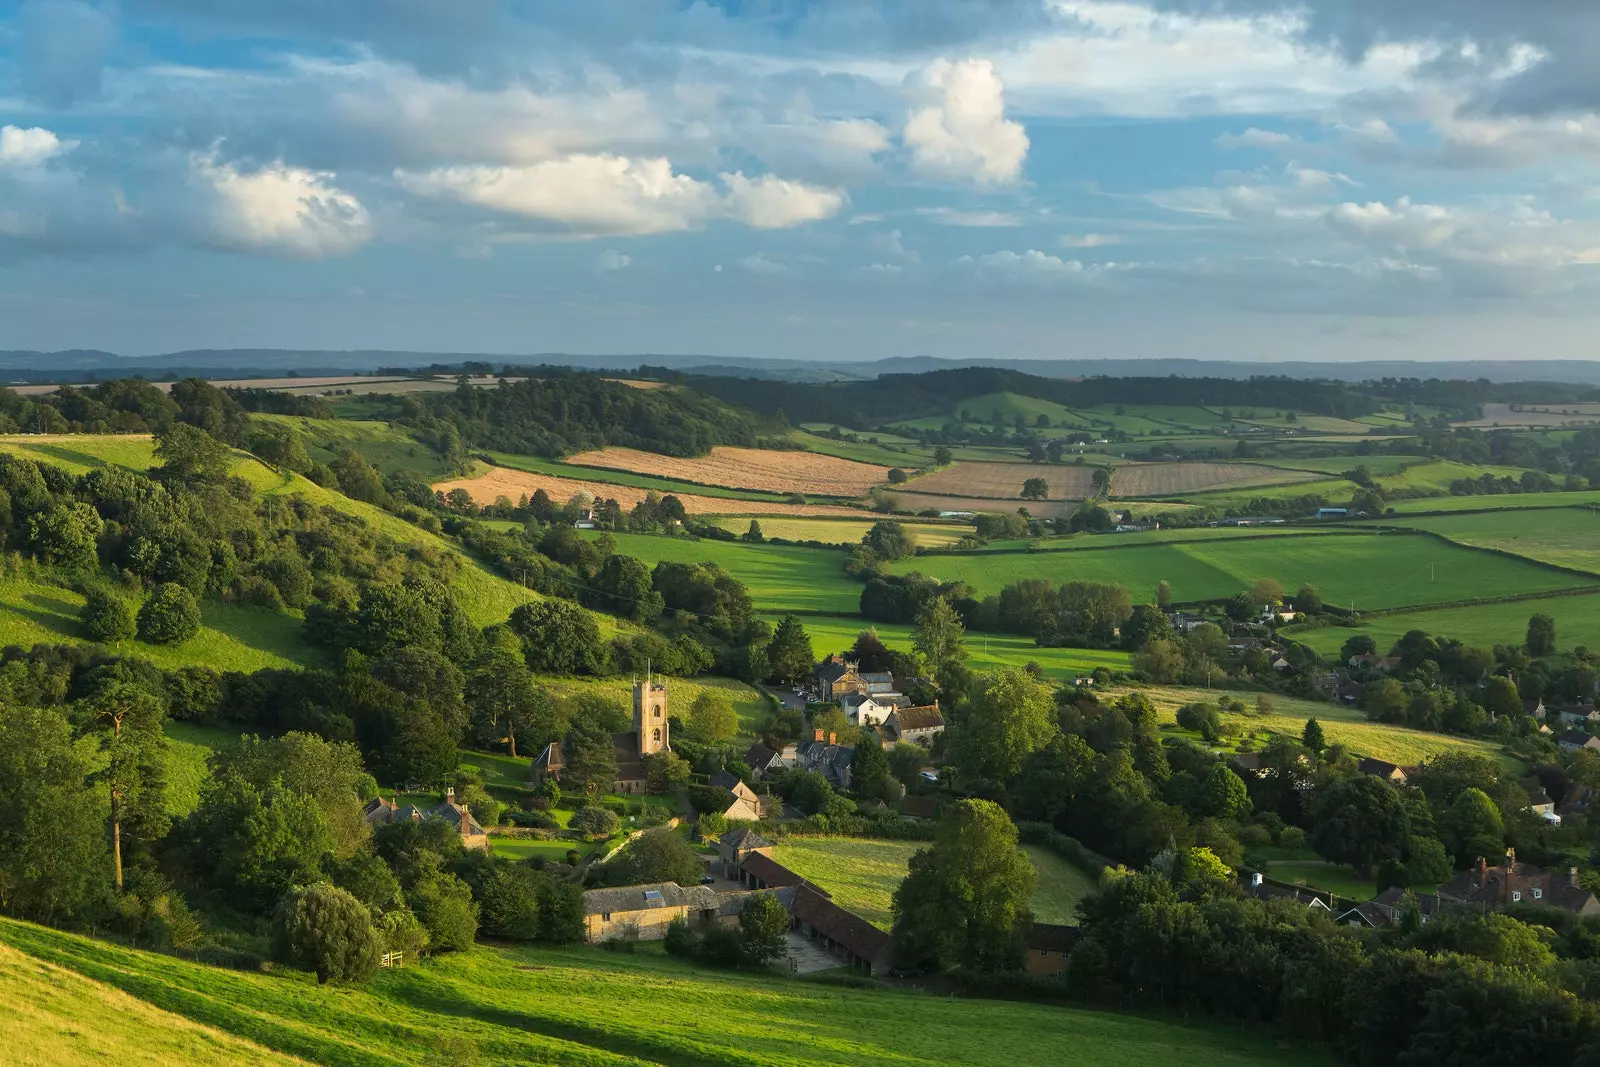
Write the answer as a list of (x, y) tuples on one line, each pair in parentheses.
[(862, 875), (1371, 573), (585, 1007), (891, 450), (1498, 502), (1377, 466), (1320, 874), (1230, 501), (779, 577), (1577, 623), (382, 444), (681, 692), (1567, 537), (1073, 542), (188, 747), (1435, 477), (986, 652)]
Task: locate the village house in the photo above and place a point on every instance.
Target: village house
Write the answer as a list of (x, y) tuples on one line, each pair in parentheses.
[(748, 805), (736, 846), (1185, 622), (1385, 909), (828, 758), (379, 811), (1048, 946), (916, 725), (761, 759), (835, 676), (872, 709), (643, 912), (1261, 889), (1581, 717), (1573, 740), (650, 734), (1389, 772), (1492, 888)]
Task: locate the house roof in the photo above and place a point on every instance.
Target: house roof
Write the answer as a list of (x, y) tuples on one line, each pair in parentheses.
[(927, 717), (1248, 761), (1052, 937), (1574, 737), (829, 671), (759, 757), (458, 816), (769, 870), (878, 677), (725, 780), (1381, 768), (1498, 886), (626, 898), (843, 927), (743, 838)]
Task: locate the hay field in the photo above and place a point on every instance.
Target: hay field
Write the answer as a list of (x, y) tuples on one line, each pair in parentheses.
[(763, 470), (1003, 481), (1171, 479), (1039, 509), (846, 531), (1567, 537), (503, 481), (1577, 623)]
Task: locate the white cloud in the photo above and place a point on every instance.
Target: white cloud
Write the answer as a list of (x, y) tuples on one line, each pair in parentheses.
[(1021, 265), (277, 210), (1255, 137), (762, 265), (1089, 240), (947, 216), (606, 195), (611, 259), (1404, 226), (963, 134), (29, 147)]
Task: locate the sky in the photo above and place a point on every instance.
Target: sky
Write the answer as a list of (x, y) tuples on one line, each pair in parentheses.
[(804, 179)]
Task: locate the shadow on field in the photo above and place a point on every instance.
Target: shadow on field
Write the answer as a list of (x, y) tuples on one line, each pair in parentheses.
[(55, 615)]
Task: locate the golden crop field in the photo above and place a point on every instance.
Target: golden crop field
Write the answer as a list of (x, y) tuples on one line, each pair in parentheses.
[(1170, 479), (503, 481), (763, 470), (846, 531), (1039, 509), (1003, 481)]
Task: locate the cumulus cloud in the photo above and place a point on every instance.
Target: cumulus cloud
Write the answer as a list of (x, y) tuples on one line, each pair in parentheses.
[(962, 134), (21, 148), (1254, 137), (276, 210), (949, 216), (1023, 265), (608, 195)]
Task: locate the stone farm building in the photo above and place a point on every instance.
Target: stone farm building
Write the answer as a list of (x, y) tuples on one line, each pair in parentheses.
[(379, 812), (650, 734), (643, 912), (919, 725)]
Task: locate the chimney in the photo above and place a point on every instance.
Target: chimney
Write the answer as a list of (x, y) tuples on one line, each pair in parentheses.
[(450, 793), (1572, 877), (819, 736), (833, 738), (1483, 872)]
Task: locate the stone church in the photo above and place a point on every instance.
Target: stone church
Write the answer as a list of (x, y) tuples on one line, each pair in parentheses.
[(650, 734)]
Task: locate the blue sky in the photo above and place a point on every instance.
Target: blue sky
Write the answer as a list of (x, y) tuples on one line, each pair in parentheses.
[(831, 179)]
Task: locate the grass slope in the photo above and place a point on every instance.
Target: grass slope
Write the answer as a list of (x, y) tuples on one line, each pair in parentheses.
[(385, 446), (583, 1007), (1368, 572), (862, 875), (779, 577), (1500, 502), (1577, 623), (1567, 537)]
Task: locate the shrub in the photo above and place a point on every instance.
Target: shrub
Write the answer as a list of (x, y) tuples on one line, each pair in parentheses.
[(323, 929), (535, 820), (169, 616), (260, 593), (711, 825), (680, 940), (107, 617), (1292, 838), (594, 822)]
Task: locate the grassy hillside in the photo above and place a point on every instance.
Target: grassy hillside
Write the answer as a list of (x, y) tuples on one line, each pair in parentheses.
[(385, 446), (1368, 572), (1568, 537), (1499, 502), (584, 1007), (985, 652), (1577, 623), (863, 874), (779, 577)]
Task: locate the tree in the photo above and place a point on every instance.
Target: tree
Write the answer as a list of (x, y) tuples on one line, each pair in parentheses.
[(1357, 645), (624, 588), (1223, 794), (1472, 828), (591, 758), (1011, 716), (595, 822), (126, 722), (1241, 607), (871, 654), (1308, 600), (1164, 595), (965, 899), (188, 455), (1360, 821), (1145, 623), (1267, 592), (656, 856), (869, 770), (53, 857), (254, 844), (890, 540), (1427, 862), (1541, 636), (1312, 737), (789, 655), (328, 772), (664, 770), (939, 637), (1160, 661), (754, 534), (444, 905), (558, 637), (1035, 489), (107, 617), (712, 718), (323, 929), (941, 456), (508, 901), (503, 701), (763, 929), (1500, 697), (1384, 700), (169, 616), (66, 535)]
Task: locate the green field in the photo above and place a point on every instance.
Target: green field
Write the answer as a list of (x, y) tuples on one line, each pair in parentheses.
[(843, 531), (985, 652), (891, 450), (1567, 537), (1377, 466), (385, 446), (585, 1007), (1577, 623), (779, 577), (1073, 542), (1229, 501), (1436, 476), (1340, 724), (863, 874), (1498, 502), (681, 692), (1382, 571)]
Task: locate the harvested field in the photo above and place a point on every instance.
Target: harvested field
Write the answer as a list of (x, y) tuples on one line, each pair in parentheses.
[(762, 470), (1039, 509), (635, 383), (503, 481), (846, 531), (1003, 481), (1537, 415), (1171, 479)]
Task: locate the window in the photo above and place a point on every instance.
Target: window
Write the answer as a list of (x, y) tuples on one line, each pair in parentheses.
[(1516, 894), (605, 917), (1044, 952), (657, 711), (1538, 894), (657, 734)]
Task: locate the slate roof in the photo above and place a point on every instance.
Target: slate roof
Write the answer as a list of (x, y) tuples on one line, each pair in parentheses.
[(743, 838), (1381, 768), (1052, 937), (626, 898), (829, 672), (1495, 886), (759, 757), (843, 927), (769, 870), (725, 779), (459, 817)]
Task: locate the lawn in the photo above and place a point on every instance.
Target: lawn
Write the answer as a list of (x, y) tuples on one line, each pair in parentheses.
[(1567, 537), (863, 874), (985, 652), (1320, 874), (1366, 572), (580, 1006), (1577, 623), (779, 577)]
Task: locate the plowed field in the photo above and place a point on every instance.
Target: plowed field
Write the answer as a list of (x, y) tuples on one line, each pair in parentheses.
[(760, 469), (1003, 481), (502, 481), (1172, 479)]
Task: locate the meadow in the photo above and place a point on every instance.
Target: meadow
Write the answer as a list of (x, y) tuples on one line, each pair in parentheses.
[(985, 652), (763, 470), (883, 449), (1228, 501), (386, 447), (1436, 476), (779, 577), (1577, 623), (845, 531), (748, 703), (1496, 502), (1567, 537), (1371, 573), (862, 874), (579, 1006)]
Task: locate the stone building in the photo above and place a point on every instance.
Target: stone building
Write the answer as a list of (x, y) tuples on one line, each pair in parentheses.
[(650, 734)]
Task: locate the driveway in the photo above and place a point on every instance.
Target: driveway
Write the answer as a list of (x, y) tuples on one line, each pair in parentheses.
[(807, 956)]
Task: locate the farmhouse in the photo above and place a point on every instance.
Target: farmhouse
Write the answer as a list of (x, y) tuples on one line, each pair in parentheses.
[(1259, 888), (916, 725), (1049, 945), (871, 709), (828, 758), (643, 912), (650, 734), (1389, 772), (1492, 888), (1573, 740), (380, 812)]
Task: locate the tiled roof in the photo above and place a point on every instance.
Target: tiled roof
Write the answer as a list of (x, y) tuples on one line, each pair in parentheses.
[(927, 717), (626, 898), (769, 870), (759, 756), (743, 838), (843, 927)]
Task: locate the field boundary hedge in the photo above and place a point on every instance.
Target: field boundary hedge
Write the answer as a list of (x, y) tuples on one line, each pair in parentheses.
[(1030, 550)]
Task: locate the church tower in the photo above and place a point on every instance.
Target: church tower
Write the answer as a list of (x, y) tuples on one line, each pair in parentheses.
[(650, 716)]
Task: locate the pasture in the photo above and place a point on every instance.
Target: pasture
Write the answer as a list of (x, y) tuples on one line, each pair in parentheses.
[(386, 447), (1577, 623), (1370, 573), (748, 703), (779, 577), (1567, 537), (762, 470), (1435, 477), (586, 1008), (985, 651), (845, 531), (1497, 502), (862, 875), (924, 502), (513, 484), (882, 449)]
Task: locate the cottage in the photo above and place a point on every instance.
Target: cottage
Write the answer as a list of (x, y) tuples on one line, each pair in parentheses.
[(1259, 888), (643, 912), (1492, 888), (872, 709), (1183, 621), (1574, 740), (380, 812), (827, 758), (749, 806), (1389, 772), (736, 846), (847, 936), (917, 725), (650, 734), (1386, 908), (1049, 945), (1248, 763)]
